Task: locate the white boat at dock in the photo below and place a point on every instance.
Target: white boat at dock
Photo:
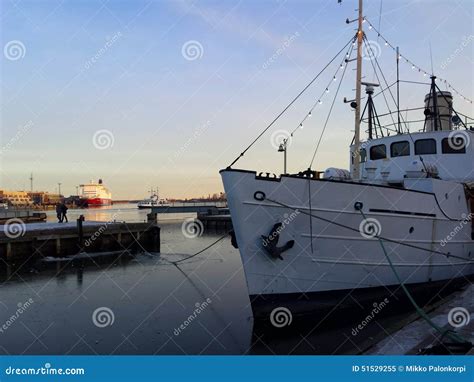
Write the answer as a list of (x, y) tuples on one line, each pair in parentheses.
[(309, 239)]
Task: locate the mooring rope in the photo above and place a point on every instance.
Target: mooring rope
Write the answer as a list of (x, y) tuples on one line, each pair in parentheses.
[(358, 206), (201, 251), (451, 334)]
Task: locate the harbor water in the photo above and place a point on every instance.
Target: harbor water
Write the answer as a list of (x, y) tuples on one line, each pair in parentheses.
[(143, 304)]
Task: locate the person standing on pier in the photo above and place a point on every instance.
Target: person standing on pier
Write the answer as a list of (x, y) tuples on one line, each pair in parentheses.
[(64, 212), (59, 212)]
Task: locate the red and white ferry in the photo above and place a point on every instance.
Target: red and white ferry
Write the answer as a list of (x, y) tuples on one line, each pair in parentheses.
[(95, 194)]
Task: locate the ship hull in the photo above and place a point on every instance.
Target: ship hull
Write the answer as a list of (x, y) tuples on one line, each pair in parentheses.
[(95, 202), (307, 306), (328, 258), (145, 206)]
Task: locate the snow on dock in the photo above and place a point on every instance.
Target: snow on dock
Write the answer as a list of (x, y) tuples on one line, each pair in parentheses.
[(454, 314)]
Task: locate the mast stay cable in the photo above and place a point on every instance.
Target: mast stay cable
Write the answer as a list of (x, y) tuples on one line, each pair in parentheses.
[(291, 103), (329, 113)]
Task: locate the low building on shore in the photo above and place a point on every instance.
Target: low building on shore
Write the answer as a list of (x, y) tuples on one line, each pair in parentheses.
[(44, 198), (16, 198), (28, 198)]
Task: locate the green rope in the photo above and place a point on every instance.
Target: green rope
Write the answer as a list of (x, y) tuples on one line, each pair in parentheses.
[(451, 334)]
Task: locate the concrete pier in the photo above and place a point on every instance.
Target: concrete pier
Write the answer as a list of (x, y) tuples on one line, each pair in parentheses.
[(188, 207), (26, 216), (416, 334), (218, 218), (22, 243)]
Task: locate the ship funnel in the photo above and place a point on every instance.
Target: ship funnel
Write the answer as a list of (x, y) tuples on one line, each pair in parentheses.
[(100, 181), (444, 102)]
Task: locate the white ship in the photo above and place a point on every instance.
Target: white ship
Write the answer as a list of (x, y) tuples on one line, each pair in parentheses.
[(308, 240), (94, 194)]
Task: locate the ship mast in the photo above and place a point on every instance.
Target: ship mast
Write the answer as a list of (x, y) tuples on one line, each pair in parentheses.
[(360, 35)]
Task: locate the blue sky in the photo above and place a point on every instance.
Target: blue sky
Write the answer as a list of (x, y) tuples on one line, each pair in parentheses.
[(106, 89)]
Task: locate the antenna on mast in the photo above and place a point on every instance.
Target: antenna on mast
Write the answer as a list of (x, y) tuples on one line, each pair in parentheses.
[(398, 91), (431, 57)]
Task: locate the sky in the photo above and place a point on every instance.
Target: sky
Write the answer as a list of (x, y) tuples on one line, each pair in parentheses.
[(166, 93)]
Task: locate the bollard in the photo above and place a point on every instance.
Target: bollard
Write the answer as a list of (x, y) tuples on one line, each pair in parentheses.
[(80, 231), (156, 243), (152, 217)]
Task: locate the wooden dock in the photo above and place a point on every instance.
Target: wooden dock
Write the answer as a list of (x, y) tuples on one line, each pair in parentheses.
[(22, 243)]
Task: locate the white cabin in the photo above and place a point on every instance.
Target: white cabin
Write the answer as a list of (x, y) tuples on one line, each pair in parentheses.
[(446, 154)]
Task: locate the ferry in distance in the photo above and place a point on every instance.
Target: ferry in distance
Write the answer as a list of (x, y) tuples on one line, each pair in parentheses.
[(94, 194), (153, 201)]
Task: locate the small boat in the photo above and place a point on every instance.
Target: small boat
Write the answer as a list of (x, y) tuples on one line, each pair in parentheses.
[(153, 201)]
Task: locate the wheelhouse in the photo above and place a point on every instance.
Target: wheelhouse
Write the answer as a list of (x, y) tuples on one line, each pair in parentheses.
[(448, 153)]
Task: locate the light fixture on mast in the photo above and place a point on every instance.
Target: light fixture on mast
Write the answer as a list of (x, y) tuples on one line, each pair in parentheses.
[(283, 149)]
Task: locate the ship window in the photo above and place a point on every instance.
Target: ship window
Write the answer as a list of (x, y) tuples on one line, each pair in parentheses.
[(400, 149), (454, 145), (425, 147), (363, 156), (378, 152)]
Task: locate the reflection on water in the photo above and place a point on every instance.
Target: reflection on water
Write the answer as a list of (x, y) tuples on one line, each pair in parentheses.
[(145, 305), (148, 297), (121, 212)]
